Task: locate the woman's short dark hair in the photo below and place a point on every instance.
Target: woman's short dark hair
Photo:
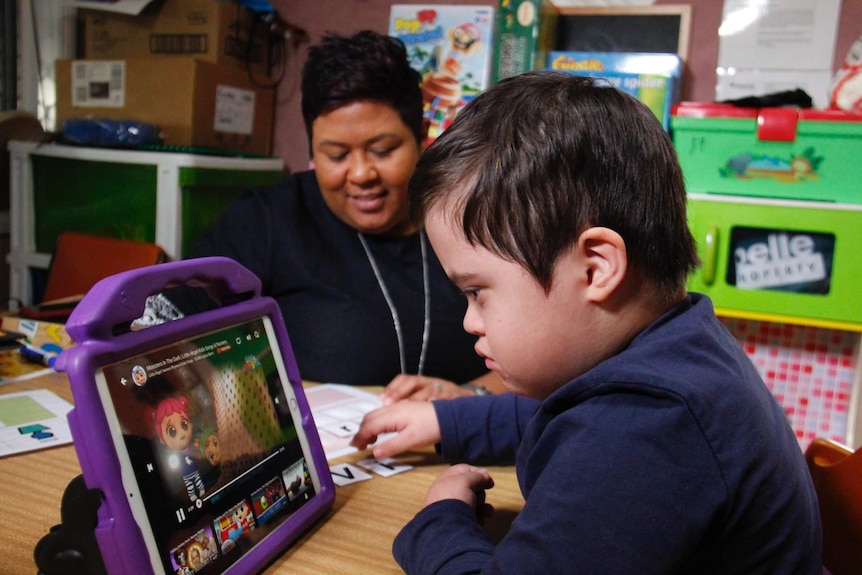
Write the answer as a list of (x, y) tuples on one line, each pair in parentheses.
[(540, 157), (341, 70)]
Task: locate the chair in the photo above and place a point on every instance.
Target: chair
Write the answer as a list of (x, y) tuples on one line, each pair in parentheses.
[(837, 474), (79, 261)]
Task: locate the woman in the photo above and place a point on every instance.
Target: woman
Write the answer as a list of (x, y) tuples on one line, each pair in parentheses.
[(363, 296)]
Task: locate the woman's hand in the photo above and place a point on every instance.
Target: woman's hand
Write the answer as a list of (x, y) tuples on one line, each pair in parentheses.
[(422, 388), (414, 421)]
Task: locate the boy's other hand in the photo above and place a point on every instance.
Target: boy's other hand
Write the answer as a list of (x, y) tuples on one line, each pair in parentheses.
[(463, 482), (422, 388), (415, 423)]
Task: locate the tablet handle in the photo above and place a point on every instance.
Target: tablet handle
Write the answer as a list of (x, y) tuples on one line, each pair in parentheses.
[(120, 299), (71, 546)]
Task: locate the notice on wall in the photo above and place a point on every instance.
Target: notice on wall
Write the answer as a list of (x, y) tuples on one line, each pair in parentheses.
[(768, 46), (99, 83), (234, 110)]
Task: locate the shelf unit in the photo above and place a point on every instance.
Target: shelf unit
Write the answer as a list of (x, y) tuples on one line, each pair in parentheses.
[(807, 341), (141, 195)]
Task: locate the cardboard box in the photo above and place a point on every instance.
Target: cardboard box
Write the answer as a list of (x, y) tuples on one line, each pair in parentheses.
[(450, 46), (210, 30), (654, 79), (193, 102), (778, 153), (526, 32)]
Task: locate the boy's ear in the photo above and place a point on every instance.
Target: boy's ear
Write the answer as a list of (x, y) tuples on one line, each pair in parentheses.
[(605, 261)]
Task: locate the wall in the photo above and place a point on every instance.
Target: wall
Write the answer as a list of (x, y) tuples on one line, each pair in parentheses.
[(345, 16)]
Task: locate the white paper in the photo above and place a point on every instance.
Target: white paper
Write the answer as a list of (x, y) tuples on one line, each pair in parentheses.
[(744, 83), (579, 3), (234, 110), (132, 7), (338, 410), (99, 83), (31, 420), (763, 43)]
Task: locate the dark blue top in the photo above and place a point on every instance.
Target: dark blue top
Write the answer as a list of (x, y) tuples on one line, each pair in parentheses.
[(313, 264), (670, 457)]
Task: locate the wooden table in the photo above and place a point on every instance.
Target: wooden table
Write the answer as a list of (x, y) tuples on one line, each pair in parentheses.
[(355, 537)]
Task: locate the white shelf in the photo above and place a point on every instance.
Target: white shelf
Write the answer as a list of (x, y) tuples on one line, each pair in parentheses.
[(24, 256)]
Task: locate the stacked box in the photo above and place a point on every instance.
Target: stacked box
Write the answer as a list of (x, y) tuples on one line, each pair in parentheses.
[(198, 70), (450, 46), (779, 153), (526, 32), (192, 102), (652, 78), (216, 31)]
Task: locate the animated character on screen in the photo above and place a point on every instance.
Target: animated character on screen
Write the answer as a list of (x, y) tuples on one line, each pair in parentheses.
[(174, 429), (211, 547), (197, 556), (242, 516), (182, 565), (240, 521), (208, 446), (139, 375)]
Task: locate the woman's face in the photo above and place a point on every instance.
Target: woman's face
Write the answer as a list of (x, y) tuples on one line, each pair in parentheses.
[(364, 156)]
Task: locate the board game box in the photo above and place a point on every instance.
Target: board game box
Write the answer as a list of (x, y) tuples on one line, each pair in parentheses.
[(653, 78), (526, 32), (450, 46)]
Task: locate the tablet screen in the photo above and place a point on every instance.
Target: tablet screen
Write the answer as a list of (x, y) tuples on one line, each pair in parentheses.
[(211, 446)]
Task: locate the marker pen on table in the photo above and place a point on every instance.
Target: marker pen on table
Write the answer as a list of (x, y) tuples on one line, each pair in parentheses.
[(36, 355)]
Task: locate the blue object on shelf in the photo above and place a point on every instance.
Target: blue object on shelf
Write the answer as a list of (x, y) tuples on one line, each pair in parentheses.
[(109, 133), (257, 6)]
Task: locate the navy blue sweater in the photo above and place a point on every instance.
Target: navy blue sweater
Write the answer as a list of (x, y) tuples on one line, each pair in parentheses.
[(670, 457), (314, 266)]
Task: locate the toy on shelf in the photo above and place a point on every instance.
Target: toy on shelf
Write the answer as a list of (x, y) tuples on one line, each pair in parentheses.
[(450, 47)]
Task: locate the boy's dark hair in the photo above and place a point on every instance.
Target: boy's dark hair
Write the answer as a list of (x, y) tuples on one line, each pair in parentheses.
[(341, 70), (542, 156)]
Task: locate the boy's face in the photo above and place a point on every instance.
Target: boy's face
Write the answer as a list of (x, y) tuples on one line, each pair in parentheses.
[(530, 338)]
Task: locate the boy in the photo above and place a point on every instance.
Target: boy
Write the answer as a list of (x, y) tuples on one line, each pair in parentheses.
[(644, 439)]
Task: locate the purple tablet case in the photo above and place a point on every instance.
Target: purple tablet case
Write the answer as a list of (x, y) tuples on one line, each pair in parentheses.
[(99, 326)]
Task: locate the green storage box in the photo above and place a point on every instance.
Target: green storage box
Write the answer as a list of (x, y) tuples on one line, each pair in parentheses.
[(165, 197), (780, 260), (100, 198), (782, 153), (118, 196)]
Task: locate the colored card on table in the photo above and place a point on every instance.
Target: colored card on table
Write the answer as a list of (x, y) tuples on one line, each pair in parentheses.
[(338, 410), (32, 420)]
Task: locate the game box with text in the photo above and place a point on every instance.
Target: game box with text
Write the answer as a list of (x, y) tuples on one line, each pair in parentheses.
[(450, 46), (652, 78)]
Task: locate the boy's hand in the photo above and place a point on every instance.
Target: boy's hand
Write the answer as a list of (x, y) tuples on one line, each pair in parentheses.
[(463, 482), (414, 421), (421, 388)]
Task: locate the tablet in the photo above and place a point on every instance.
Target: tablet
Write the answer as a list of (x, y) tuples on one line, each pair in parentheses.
[(197, 432)]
